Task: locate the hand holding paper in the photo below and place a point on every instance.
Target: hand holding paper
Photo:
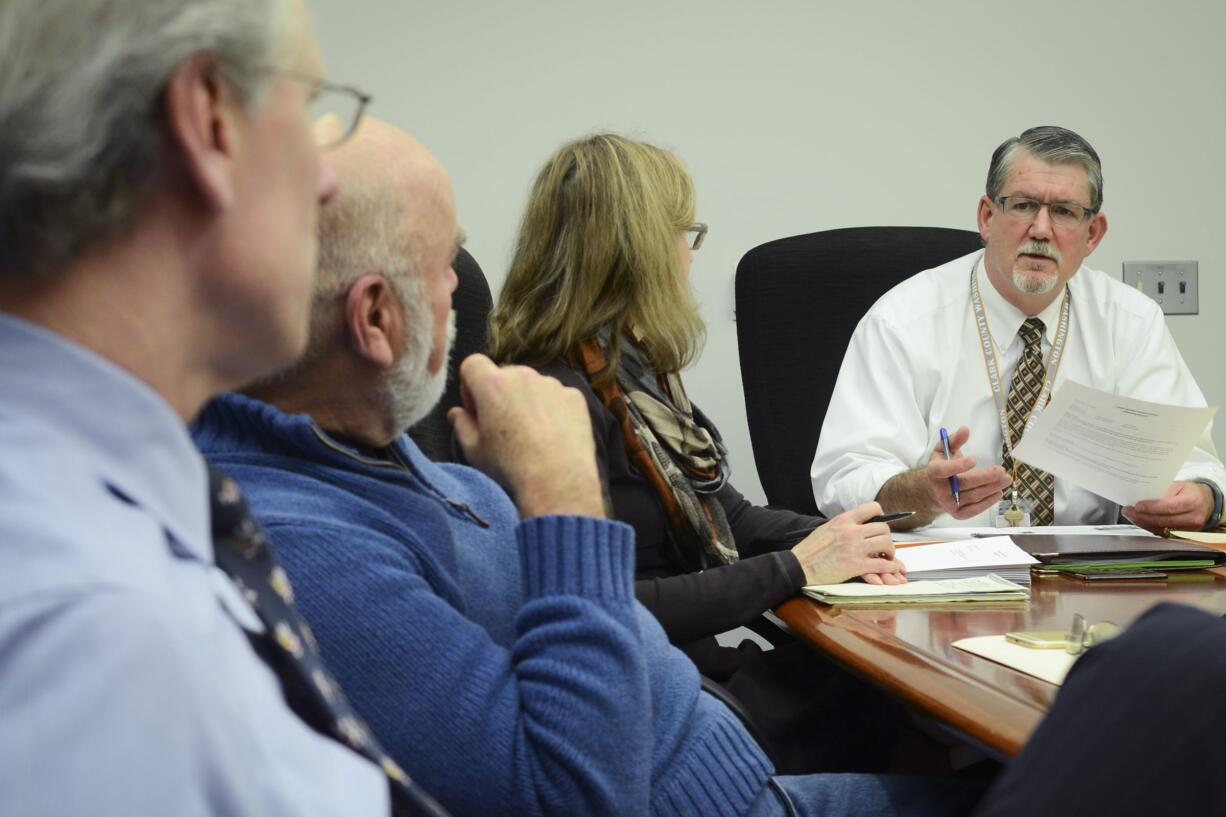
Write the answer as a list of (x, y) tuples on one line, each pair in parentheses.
[(1123, 449), (1184, 505)]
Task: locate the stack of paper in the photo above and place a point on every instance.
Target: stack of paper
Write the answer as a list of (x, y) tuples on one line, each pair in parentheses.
[(969, 557), (932, 534), (980, 588)]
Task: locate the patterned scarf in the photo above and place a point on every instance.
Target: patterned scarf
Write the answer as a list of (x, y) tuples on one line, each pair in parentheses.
[(672, 444)]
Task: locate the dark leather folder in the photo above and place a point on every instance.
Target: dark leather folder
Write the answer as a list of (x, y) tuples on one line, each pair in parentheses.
[(1058, 550)]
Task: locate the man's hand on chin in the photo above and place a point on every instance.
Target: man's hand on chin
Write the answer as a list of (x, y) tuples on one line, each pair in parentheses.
[(1183, 506)]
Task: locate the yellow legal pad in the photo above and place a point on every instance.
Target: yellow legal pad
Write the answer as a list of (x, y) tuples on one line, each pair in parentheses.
[(989, 588)]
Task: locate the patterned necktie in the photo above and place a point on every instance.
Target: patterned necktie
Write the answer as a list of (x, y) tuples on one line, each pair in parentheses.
[(288, 646), (1037, 486)]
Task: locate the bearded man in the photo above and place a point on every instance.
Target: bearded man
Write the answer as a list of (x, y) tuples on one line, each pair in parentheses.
[(993, 334)]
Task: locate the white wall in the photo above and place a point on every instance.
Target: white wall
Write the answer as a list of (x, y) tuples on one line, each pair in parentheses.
[(795, 116)]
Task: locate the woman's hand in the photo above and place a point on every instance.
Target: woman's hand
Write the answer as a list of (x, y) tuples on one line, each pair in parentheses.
[(849, 546)]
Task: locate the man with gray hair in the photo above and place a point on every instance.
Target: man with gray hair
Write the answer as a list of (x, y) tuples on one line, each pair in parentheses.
[(1025, 311), (159, 191)]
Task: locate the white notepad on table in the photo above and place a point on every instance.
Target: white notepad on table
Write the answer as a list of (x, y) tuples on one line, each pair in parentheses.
[(967, 557)]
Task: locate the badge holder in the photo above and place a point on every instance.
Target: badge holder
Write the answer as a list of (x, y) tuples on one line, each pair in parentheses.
[(1014, 512)]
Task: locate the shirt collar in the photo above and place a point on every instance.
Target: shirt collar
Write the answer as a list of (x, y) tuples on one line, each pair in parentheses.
[(123, 430), (1005, 319)]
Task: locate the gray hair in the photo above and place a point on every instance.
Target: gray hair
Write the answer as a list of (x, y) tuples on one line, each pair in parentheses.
[(1051, 144), (363, 231), (81, 86)]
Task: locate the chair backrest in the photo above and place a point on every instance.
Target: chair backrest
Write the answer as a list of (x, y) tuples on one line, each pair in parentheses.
[(798, 301), (472, 302)]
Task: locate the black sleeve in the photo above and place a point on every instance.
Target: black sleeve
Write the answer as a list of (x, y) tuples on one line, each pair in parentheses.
[(763, 530), (691, 606), (767, 575), (603, 425), (1108, 747), (698, 605)]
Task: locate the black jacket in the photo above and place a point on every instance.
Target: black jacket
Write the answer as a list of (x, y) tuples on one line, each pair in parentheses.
[(693, 607)]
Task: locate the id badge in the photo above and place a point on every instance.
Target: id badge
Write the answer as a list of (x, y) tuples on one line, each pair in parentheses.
[(1015, 511)]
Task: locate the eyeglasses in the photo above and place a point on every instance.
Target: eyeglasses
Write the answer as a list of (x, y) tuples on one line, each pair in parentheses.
[(342, 105), (1081, 638), (694, 234), (1062, 213)]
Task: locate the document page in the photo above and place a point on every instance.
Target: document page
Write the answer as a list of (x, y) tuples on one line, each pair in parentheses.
[(905, 538), (1123, 449), (971, 554)]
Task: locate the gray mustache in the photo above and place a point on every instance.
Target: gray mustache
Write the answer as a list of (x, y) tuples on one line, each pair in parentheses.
[(1039, 248)]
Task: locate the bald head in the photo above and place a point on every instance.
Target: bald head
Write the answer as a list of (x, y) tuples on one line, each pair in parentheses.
[(395, 205), (375, 362)]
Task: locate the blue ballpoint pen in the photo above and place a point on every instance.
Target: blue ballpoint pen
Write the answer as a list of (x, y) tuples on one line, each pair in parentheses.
[(953, 481)]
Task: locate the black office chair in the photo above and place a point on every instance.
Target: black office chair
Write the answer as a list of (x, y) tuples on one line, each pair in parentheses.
[(798, 300), (472, 302)]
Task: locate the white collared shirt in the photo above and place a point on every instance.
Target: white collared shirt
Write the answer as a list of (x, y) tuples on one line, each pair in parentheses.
[(127, 684), (914, 365)]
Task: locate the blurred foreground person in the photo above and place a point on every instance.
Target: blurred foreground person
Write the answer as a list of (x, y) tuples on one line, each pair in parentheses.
[(159, 191)]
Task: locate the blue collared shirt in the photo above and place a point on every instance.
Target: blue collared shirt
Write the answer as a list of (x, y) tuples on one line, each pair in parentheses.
[(127, 685)]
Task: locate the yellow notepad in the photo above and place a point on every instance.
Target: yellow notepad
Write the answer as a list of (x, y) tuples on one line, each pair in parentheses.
[(976, 588), (1212, 538), (1048, 665)]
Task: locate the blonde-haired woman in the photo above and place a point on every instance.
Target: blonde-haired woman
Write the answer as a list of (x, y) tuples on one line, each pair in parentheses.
[(598, 296)]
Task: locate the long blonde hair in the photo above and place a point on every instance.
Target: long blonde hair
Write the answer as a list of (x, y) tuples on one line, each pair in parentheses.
[(597, 249)]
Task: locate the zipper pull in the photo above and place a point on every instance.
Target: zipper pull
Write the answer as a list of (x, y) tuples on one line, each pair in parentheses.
[(467, 511)]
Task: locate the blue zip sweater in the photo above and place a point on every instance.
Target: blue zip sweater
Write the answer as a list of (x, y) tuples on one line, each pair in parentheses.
[(504, 663)]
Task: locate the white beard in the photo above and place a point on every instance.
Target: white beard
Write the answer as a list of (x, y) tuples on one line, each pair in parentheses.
[(410, 391), (1037, 282)]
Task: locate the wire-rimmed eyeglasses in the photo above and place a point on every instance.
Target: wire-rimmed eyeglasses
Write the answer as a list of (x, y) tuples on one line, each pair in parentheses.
[(1082, 637), (1064, 214), (335, 110), (694, 234)]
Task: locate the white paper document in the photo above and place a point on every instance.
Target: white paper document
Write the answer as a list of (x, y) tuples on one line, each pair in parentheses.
[(1123, 449), (952, 534), (968, 557)]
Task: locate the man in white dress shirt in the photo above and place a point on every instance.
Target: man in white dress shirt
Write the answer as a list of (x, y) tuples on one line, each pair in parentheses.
[(923, 358)]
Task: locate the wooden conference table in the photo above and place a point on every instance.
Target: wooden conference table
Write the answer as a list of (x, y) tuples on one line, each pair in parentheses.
[(908, 650)]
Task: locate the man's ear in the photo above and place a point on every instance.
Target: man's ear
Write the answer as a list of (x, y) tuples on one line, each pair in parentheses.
[(202, 118), (984, 217), (1098, 229), (374, 320)]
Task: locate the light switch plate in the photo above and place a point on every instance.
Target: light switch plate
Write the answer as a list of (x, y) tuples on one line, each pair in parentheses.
[(1173, 284)]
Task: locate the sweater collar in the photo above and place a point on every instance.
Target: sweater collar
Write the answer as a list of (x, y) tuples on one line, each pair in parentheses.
[(238, 424)]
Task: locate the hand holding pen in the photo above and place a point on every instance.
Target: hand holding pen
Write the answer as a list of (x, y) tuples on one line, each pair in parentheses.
[(957, 487), (849, 545), (953, 481)]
